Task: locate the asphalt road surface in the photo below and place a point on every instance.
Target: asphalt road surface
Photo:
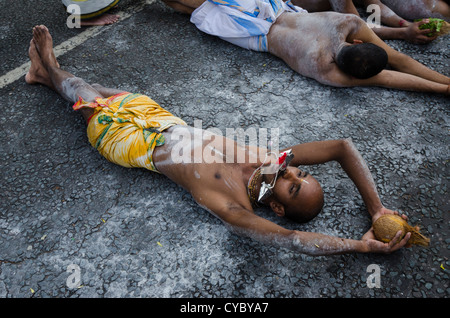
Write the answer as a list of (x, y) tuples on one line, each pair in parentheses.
[(73, 225)]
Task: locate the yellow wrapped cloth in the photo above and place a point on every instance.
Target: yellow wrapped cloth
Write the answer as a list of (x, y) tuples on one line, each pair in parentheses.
[(126, 128)]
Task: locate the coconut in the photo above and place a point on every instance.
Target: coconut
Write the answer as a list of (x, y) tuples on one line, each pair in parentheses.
[(387, 225)]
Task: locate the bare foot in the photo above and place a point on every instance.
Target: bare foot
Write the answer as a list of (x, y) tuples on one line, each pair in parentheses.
[(44, 45), (37, 74), (102, 20)]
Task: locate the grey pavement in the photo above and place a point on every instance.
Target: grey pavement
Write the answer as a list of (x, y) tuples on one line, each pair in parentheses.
[(73, 225)]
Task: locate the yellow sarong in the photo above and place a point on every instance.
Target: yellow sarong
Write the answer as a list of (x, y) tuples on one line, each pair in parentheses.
[(126, 128)]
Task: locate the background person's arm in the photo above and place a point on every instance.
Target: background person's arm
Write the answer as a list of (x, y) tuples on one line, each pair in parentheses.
[(386, 78), (410, 33)]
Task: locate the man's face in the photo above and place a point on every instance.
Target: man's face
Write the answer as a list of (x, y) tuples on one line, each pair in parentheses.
[(298, 191)]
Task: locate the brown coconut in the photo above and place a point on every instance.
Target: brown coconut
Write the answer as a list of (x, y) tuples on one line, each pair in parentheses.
[(387, 225)]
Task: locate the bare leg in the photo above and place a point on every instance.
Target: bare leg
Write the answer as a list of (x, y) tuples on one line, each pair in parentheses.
[(388, 17), (184, 6), (313, 5), (48, 72), (344, 6), (399, 61), (420, 9)]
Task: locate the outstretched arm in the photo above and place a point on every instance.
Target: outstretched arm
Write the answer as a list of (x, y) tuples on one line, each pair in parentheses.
[(351, 161), (245, 223), (184, 6), (346, 154), (344, 6)]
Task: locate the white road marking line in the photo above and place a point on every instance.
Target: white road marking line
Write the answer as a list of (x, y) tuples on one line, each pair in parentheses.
[(70, 44)]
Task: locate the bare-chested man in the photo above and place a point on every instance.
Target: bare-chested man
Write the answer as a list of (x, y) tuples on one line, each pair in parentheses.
[(315, 52), (315, 44), (132, 130)]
